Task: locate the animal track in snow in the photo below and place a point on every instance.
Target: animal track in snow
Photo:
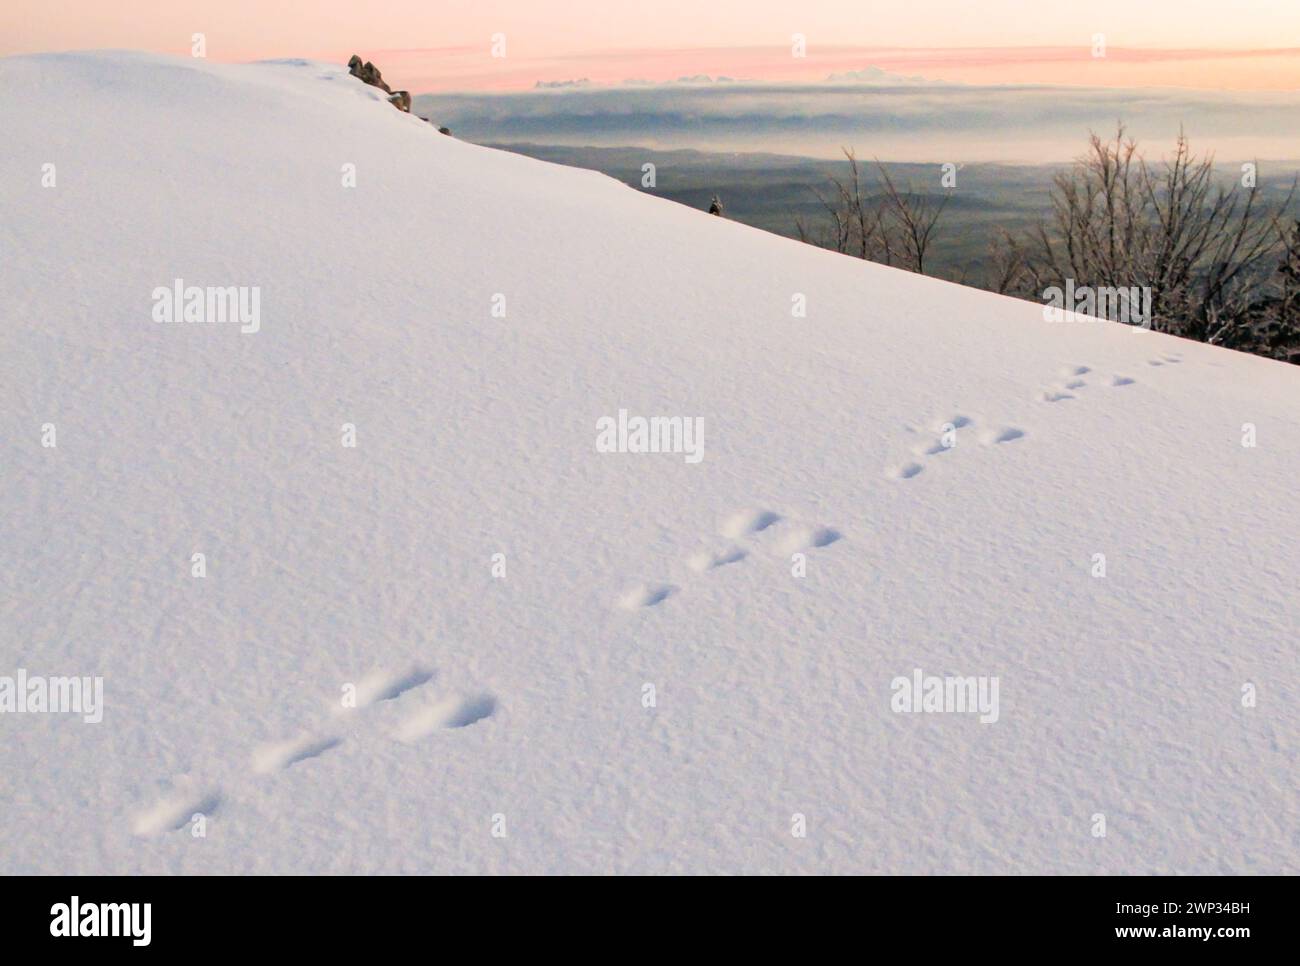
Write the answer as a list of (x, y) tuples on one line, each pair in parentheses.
[(788, 536), (947, 437), (458, 711), (383, 685), (759, 528), (175, 810), (279, 755), (710, 559), (1005, 435), (645, 595), (946, 442), (906, 471), (745, 522), (1072, 383), (807, 538)]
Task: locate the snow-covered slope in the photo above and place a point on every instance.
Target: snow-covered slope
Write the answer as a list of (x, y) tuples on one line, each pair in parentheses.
[(517, 703)]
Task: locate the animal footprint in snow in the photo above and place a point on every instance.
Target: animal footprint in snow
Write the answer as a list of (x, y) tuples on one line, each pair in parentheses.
[(1072, 373), (458, 711), (808, 538), (279, 755), (763, 528), (1007, 435), (704, 560), (745, 522), (790, 536), (906, 471), (177, 809), (948, 427), (933, 449), (1073, 381), (946, 440), (381, 685), (645, 595), (189, 798)]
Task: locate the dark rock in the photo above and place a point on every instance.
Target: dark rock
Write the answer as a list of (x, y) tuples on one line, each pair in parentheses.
[(368, 73)]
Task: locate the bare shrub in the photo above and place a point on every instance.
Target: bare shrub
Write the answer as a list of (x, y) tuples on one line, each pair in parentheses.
[(1204, 249), (879, 222)]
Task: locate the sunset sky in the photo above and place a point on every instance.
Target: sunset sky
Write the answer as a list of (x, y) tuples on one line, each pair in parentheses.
[(446, 45)]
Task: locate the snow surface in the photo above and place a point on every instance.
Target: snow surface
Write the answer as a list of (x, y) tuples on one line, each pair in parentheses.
[(522, 697)]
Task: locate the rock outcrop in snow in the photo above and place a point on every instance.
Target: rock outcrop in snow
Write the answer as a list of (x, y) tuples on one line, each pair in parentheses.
[(368, 73)]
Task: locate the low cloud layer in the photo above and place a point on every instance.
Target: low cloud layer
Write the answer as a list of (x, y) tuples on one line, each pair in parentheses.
[(898, 121)]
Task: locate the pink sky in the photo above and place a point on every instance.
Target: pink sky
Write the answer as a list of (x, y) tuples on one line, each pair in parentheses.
[(446, 44)]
